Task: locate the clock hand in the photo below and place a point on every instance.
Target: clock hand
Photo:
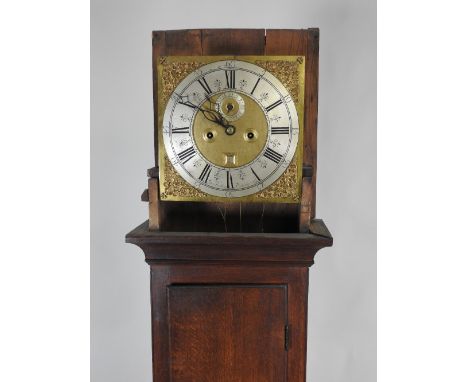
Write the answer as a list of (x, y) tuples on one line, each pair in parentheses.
[(209, 114), (215, 114), (212, 115), (218, 118), (229, 129)]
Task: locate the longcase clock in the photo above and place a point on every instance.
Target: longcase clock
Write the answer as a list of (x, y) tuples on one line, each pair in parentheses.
[(232, 230)]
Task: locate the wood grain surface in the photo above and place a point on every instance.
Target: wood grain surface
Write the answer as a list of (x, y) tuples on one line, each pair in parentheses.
[(284, 249), (227, 333), (174, 326), (226, 292)]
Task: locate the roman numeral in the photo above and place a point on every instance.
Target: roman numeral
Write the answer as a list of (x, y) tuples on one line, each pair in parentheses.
[(272, 155), (205, 85), (186, 155), (255, 174), (255, 86), (273, 105), (188, 104), (229, 180), (180, 130), (205, 174), (280, 130), (230, 78)]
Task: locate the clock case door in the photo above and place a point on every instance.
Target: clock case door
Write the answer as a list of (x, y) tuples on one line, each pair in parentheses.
[(236, 332), (239, 216)]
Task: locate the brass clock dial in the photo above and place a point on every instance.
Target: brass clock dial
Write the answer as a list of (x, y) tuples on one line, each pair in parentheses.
[(230, 128)]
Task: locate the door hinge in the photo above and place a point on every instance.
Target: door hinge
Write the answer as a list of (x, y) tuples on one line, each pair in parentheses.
[(286, 337)]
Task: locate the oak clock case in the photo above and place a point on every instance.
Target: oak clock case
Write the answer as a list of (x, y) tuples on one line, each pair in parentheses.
[(232, 229), (230, 127)]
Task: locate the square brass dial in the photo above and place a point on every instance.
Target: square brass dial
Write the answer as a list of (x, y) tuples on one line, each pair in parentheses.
[(289, 70)]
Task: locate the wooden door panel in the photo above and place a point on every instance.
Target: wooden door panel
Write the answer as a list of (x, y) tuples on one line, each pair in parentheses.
[(227, 333)]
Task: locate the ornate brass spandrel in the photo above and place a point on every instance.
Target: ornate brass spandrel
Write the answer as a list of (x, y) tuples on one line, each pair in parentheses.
[(175, 186), (173, 73), (287, 72), (284, 188)]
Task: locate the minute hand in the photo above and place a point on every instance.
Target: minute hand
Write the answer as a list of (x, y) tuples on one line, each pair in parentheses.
[(216, 117), (210, 114)]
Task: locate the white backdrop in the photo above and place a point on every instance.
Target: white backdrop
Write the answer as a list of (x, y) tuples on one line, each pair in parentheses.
[(342, 296)]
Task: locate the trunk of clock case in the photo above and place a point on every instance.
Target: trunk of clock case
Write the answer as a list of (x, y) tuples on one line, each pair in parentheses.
[(229, 306)]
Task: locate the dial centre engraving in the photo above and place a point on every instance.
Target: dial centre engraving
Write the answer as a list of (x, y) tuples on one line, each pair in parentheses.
[(245, 137)]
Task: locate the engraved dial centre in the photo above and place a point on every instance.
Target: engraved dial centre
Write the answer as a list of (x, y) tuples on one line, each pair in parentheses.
[(236, 147)]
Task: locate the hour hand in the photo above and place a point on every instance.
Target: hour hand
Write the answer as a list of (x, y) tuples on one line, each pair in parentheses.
[(212, 114), (219, 119), (209, 114), (215, 116)]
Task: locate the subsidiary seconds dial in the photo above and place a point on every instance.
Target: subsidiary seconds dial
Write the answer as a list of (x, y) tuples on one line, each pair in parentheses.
[(230, 128)]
